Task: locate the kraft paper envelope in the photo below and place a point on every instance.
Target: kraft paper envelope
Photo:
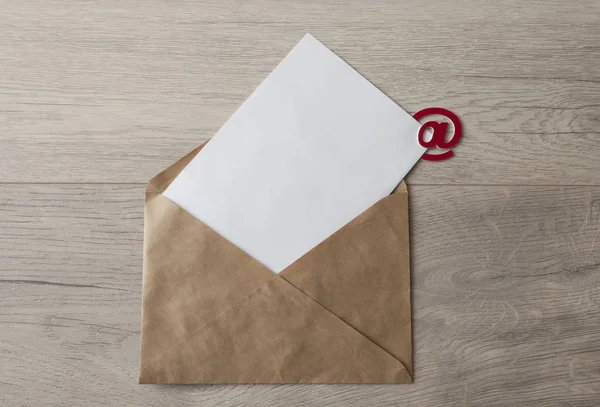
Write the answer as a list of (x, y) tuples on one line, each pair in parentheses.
[(212, 314)]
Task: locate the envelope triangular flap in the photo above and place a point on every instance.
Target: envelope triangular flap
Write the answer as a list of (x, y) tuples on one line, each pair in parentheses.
[(362, 274), (191, 274), (212, 314)]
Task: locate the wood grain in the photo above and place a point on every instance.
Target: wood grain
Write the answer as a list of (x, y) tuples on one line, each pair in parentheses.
[(114, 91), (97, 97), (506, 296)]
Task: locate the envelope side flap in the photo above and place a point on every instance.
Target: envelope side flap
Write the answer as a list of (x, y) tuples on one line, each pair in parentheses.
[(275, 335), (191, 274), (362, 274), (401, 188)]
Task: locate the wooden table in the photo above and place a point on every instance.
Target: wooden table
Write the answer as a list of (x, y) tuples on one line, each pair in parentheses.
[(96, 97)]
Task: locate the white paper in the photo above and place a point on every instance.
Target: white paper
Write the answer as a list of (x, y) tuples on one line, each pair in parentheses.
[(314, 146)]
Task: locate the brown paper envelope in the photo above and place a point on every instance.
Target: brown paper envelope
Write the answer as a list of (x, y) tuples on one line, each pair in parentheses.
[(212, 314)]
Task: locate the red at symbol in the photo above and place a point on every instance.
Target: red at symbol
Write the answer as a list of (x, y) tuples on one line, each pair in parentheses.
[(438, 138)]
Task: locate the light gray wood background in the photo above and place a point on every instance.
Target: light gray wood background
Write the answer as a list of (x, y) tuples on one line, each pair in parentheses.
[(97, 96)]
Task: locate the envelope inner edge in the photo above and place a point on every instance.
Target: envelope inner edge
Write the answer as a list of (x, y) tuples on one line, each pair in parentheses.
[(162, 180), (307, 254)]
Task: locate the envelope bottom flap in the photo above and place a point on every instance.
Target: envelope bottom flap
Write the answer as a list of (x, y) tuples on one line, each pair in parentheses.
[(275, 335)]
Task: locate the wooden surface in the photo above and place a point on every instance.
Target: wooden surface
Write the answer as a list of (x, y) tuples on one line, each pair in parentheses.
[(96, 97)]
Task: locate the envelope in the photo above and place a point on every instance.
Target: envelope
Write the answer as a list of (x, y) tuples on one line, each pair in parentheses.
[(211, 314)]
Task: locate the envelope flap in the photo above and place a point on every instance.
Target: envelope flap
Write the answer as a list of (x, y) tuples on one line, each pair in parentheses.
[(275, 335), (191, 275), (362, 274)]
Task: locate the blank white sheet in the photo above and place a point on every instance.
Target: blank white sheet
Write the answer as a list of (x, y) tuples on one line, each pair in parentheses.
[(315, 145)]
